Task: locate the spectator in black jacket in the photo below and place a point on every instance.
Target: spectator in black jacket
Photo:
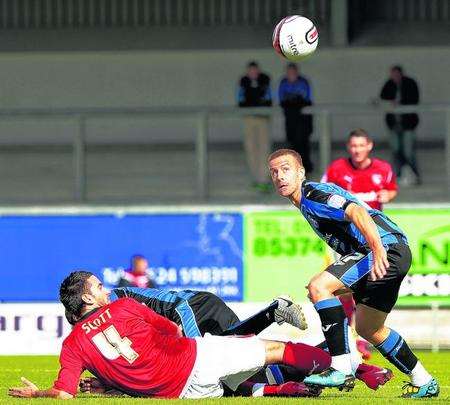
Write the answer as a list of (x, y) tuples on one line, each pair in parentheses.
[(254, 91), (294, 93), (402, 90)]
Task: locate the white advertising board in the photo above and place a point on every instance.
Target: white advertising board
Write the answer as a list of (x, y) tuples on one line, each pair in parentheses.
[(32, 328), (39, 329)]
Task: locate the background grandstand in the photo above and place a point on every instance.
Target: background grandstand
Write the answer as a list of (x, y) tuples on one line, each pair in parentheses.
[(119, 133)]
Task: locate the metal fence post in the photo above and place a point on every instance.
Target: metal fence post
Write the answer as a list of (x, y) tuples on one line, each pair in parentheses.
[(79, 161), (447, 148), (324, 140), (339, 22), (435, 327), (201, 152)]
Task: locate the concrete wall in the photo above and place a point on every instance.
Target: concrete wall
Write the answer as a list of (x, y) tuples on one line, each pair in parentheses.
[(127, 79)]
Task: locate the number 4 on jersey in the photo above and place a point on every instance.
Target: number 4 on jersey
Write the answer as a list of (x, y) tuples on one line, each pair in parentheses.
[(112, 345)]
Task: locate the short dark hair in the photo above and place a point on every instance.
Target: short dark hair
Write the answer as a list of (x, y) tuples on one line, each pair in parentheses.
[(398, 68), (71, 291), (252, 63), (359, 133), (292, 65), (70, 317), (283, 152)]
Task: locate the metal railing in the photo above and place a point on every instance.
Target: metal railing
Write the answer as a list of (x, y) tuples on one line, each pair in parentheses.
[(323, 115), (406, 10)]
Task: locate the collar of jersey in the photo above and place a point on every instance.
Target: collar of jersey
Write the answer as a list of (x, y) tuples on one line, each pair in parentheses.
[(349, 160), (88, 314)]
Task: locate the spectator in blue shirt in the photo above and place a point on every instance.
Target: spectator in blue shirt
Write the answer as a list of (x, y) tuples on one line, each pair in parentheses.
[(294, 93)]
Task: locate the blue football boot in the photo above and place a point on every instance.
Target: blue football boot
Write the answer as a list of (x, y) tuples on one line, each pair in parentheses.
[(331, 378), (431, 389)]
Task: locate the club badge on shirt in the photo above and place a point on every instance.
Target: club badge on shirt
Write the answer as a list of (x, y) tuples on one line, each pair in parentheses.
[(377, 178), (336, 201)]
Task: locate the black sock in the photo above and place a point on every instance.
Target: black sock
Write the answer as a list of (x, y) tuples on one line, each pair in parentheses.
[(334, 325), (323, 345), (397, 351)]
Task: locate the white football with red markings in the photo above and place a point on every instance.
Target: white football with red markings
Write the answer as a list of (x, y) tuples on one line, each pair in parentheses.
[(295, 37)]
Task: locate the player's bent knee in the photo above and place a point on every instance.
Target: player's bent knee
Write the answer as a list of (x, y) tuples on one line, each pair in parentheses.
[(317, 291), (366, 331), (274, 351)]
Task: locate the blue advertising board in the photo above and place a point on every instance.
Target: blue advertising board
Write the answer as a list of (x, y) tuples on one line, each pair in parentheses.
[(185, 251)]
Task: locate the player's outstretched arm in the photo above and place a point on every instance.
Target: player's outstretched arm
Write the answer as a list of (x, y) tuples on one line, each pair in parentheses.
[(30, 390), (362, 220)]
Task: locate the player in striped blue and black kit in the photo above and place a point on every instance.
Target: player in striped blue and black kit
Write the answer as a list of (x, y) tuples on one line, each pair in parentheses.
[(375, 259), (200, 312)]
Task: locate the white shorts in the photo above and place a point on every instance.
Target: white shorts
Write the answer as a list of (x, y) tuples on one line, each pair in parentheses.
[(223, 359)]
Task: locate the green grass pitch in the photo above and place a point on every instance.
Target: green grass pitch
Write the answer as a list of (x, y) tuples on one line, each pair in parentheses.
[(42, 371)]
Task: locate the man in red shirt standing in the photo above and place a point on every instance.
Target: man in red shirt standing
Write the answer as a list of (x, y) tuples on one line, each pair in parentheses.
[(136, 351), (370, 179)]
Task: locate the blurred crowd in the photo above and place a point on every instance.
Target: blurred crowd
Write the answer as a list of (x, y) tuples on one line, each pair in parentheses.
[(294, 94)]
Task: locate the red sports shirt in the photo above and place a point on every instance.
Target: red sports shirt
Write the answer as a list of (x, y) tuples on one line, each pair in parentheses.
[(364, 183), (129, 347)]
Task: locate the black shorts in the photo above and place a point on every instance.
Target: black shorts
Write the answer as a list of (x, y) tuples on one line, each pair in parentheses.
[(353, 270), (204, 312)]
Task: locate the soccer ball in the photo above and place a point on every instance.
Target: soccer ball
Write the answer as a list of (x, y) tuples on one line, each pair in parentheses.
[(295, 37)]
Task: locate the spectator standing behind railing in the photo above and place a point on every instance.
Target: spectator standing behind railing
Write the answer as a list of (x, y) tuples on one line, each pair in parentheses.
[(402, 90), (137, 275), (254, 91), (370, 179), (294, 93)]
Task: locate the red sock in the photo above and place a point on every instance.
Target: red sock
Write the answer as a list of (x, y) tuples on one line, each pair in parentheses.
[(305, 358), (288, 389), (270, 390), (349, 306)]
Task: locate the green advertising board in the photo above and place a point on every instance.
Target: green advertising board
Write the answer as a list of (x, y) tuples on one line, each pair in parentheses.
[(428, 232), (282, 253)]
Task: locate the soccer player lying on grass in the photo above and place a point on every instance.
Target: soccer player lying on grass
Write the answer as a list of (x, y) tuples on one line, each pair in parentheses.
[(200, 312), (141, 353)]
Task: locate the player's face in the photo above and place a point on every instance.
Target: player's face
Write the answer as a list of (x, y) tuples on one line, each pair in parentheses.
[(359, 149), (96, 295), (396, 76), (287, 175), (253, 72), (291, 74)]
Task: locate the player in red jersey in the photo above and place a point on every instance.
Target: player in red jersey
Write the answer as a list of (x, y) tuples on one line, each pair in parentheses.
[(372, 180), (138, 352)]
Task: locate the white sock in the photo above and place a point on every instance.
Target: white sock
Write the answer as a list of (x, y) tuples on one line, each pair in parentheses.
[(419, 376), (355, 355), (342, 363), (258, 390)]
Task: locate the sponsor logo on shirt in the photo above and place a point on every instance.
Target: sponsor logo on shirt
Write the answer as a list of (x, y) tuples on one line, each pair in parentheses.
[(348, 179)]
